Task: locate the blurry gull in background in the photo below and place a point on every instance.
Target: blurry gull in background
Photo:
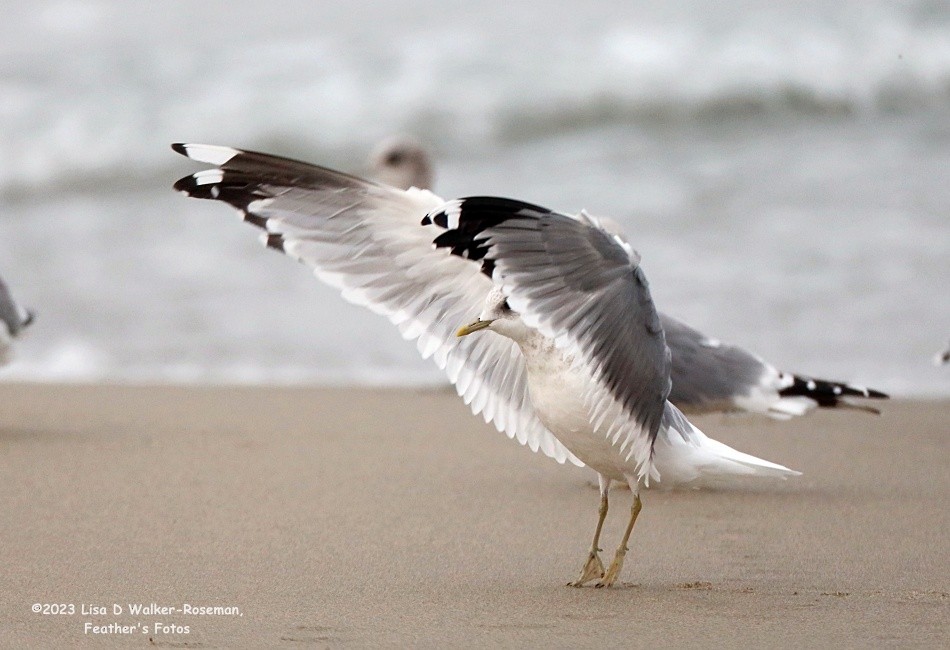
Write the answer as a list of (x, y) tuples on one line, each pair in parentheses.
[(580, 371), (14, 319), (403, 162), (708, 375)]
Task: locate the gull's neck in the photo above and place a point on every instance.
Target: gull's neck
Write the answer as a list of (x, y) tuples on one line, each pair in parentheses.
[(540, 352)]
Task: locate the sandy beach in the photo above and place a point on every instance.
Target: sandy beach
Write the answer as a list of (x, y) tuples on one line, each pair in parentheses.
[(335, 517)]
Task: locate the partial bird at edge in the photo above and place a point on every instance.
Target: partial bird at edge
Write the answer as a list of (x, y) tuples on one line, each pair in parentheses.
[(14, 319)]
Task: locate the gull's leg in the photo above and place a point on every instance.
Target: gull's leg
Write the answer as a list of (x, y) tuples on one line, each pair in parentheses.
[(594, 568), (614, 571)]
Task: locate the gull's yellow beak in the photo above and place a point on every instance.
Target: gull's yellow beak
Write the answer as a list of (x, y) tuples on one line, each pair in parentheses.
[(473, 327)]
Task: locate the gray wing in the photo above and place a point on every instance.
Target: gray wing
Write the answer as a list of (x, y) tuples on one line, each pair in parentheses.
[(708, 375), (367, 240), (583, 287)]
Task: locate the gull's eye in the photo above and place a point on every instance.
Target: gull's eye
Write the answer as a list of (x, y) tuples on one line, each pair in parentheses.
[(394, 158)]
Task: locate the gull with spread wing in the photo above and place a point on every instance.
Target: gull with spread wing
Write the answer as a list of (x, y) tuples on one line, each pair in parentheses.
[(572, 361), (708, 375)]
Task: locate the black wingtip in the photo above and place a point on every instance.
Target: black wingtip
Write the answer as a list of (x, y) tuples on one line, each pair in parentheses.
[(440, 218), (185, 185), (473, 215), (831, 394), (276, 242), (179, 147), (256, 220)]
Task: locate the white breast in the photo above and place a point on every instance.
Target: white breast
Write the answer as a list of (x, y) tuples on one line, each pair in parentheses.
[(557, 389)]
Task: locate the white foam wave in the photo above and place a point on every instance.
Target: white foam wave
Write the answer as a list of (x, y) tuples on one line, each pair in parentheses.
[(109, 113)]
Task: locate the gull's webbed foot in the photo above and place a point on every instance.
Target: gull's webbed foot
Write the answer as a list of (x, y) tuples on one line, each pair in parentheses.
[(614, 571), (593, 570)]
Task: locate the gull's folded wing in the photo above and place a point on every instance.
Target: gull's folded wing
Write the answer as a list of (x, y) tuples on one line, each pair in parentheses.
[(709, 375)]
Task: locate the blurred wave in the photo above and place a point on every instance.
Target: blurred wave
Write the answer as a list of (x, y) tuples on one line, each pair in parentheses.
[(74, 117), (786, 158)]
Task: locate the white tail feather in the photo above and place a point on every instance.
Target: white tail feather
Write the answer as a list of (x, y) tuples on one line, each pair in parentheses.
[(786, 408), (700, 460)]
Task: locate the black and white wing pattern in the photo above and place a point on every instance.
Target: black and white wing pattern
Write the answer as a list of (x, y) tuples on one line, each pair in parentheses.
[(368, 240), (583, 287), (709, 375)]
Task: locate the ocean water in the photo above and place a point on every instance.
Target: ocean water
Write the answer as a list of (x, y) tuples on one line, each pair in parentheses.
[(783, 168)]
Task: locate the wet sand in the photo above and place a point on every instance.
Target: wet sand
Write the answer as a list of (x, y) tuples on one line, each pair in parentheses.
[(333, 517)]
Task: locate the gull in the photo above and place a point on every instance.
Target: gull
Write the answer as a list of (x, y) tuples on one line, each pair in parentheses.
[(708, 375), (402, 162), (14, 319), (566, 352)]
